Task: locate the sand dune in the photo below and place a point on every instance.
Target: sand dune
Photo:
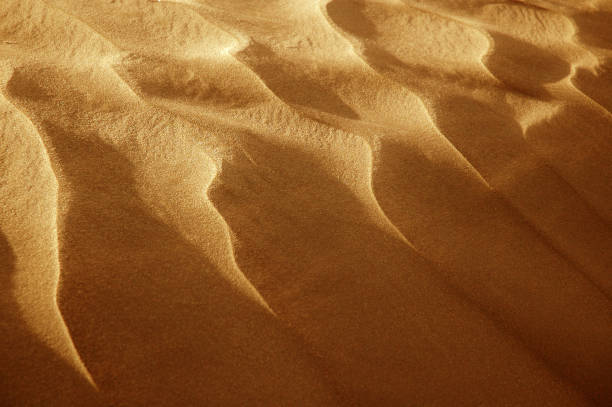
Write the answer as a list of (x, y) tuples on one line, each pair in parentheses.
[(287, 203)]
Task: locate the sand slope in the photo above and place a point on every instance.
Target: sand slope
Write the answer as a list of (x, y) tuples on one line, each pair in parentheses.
[(292, 203)]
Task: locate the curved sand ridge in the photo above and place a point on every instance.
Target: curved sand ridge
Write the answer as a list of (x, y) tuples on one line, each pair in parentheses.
[(345, 202)]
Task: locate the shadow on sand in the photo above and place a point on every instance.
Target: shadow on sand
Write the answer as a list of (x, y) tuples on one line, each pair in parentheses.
[(31, 374), (387, 328), (155, 323)]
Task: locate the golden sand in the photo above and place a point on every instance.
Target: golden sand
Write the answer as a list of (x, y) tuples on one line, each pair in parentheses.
[(305, 203)]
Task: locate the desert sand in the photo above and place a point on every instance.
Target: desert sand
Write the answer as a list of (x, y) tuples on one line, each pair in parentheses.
[(305, 203)]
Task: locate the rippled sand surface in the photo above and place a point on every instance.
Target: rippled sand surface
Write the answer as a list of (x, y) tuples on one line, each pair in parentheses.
[(305, 203)]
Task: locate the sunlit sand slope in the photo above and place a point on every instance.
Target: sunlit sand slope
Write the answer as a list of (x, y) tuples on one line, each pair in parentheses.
[(305, 203)]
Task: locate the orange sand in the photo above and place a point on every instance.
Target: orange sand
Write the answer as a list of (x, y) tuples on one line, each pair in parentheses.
[(305, 203)]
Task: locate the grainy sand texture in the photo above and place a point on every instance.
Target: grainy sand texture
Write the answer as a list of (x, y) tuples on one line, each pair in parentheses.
[(305, 203)]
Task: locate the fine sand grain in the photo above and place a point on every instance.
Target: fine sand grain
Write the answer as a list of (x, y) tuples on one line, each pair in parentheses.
[(305, 203)]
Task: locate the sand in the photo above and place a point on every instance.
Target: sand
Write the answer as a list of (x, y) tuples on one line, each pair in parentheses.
[(305, 203)]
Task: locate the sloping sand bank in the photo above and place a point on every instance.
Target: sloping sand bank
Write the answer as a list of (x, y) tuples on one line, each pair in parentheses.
[(305, 203)]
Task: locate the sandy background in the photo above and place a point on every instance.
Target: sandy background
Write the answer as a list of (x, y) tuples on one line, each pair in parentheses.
[(305, 203)]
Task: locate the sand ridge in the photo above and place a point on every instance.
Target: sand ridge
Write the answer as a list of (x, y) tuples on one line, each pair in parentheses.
[(338, 202)]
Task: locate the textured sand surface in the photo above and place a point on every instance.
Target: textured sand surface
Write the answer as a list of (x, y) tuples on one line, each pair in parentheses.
[(305, 203)]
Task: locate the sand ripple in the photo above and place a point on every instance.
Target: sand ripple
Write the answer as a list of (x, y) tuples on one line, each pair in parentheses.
[(336, 202)]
